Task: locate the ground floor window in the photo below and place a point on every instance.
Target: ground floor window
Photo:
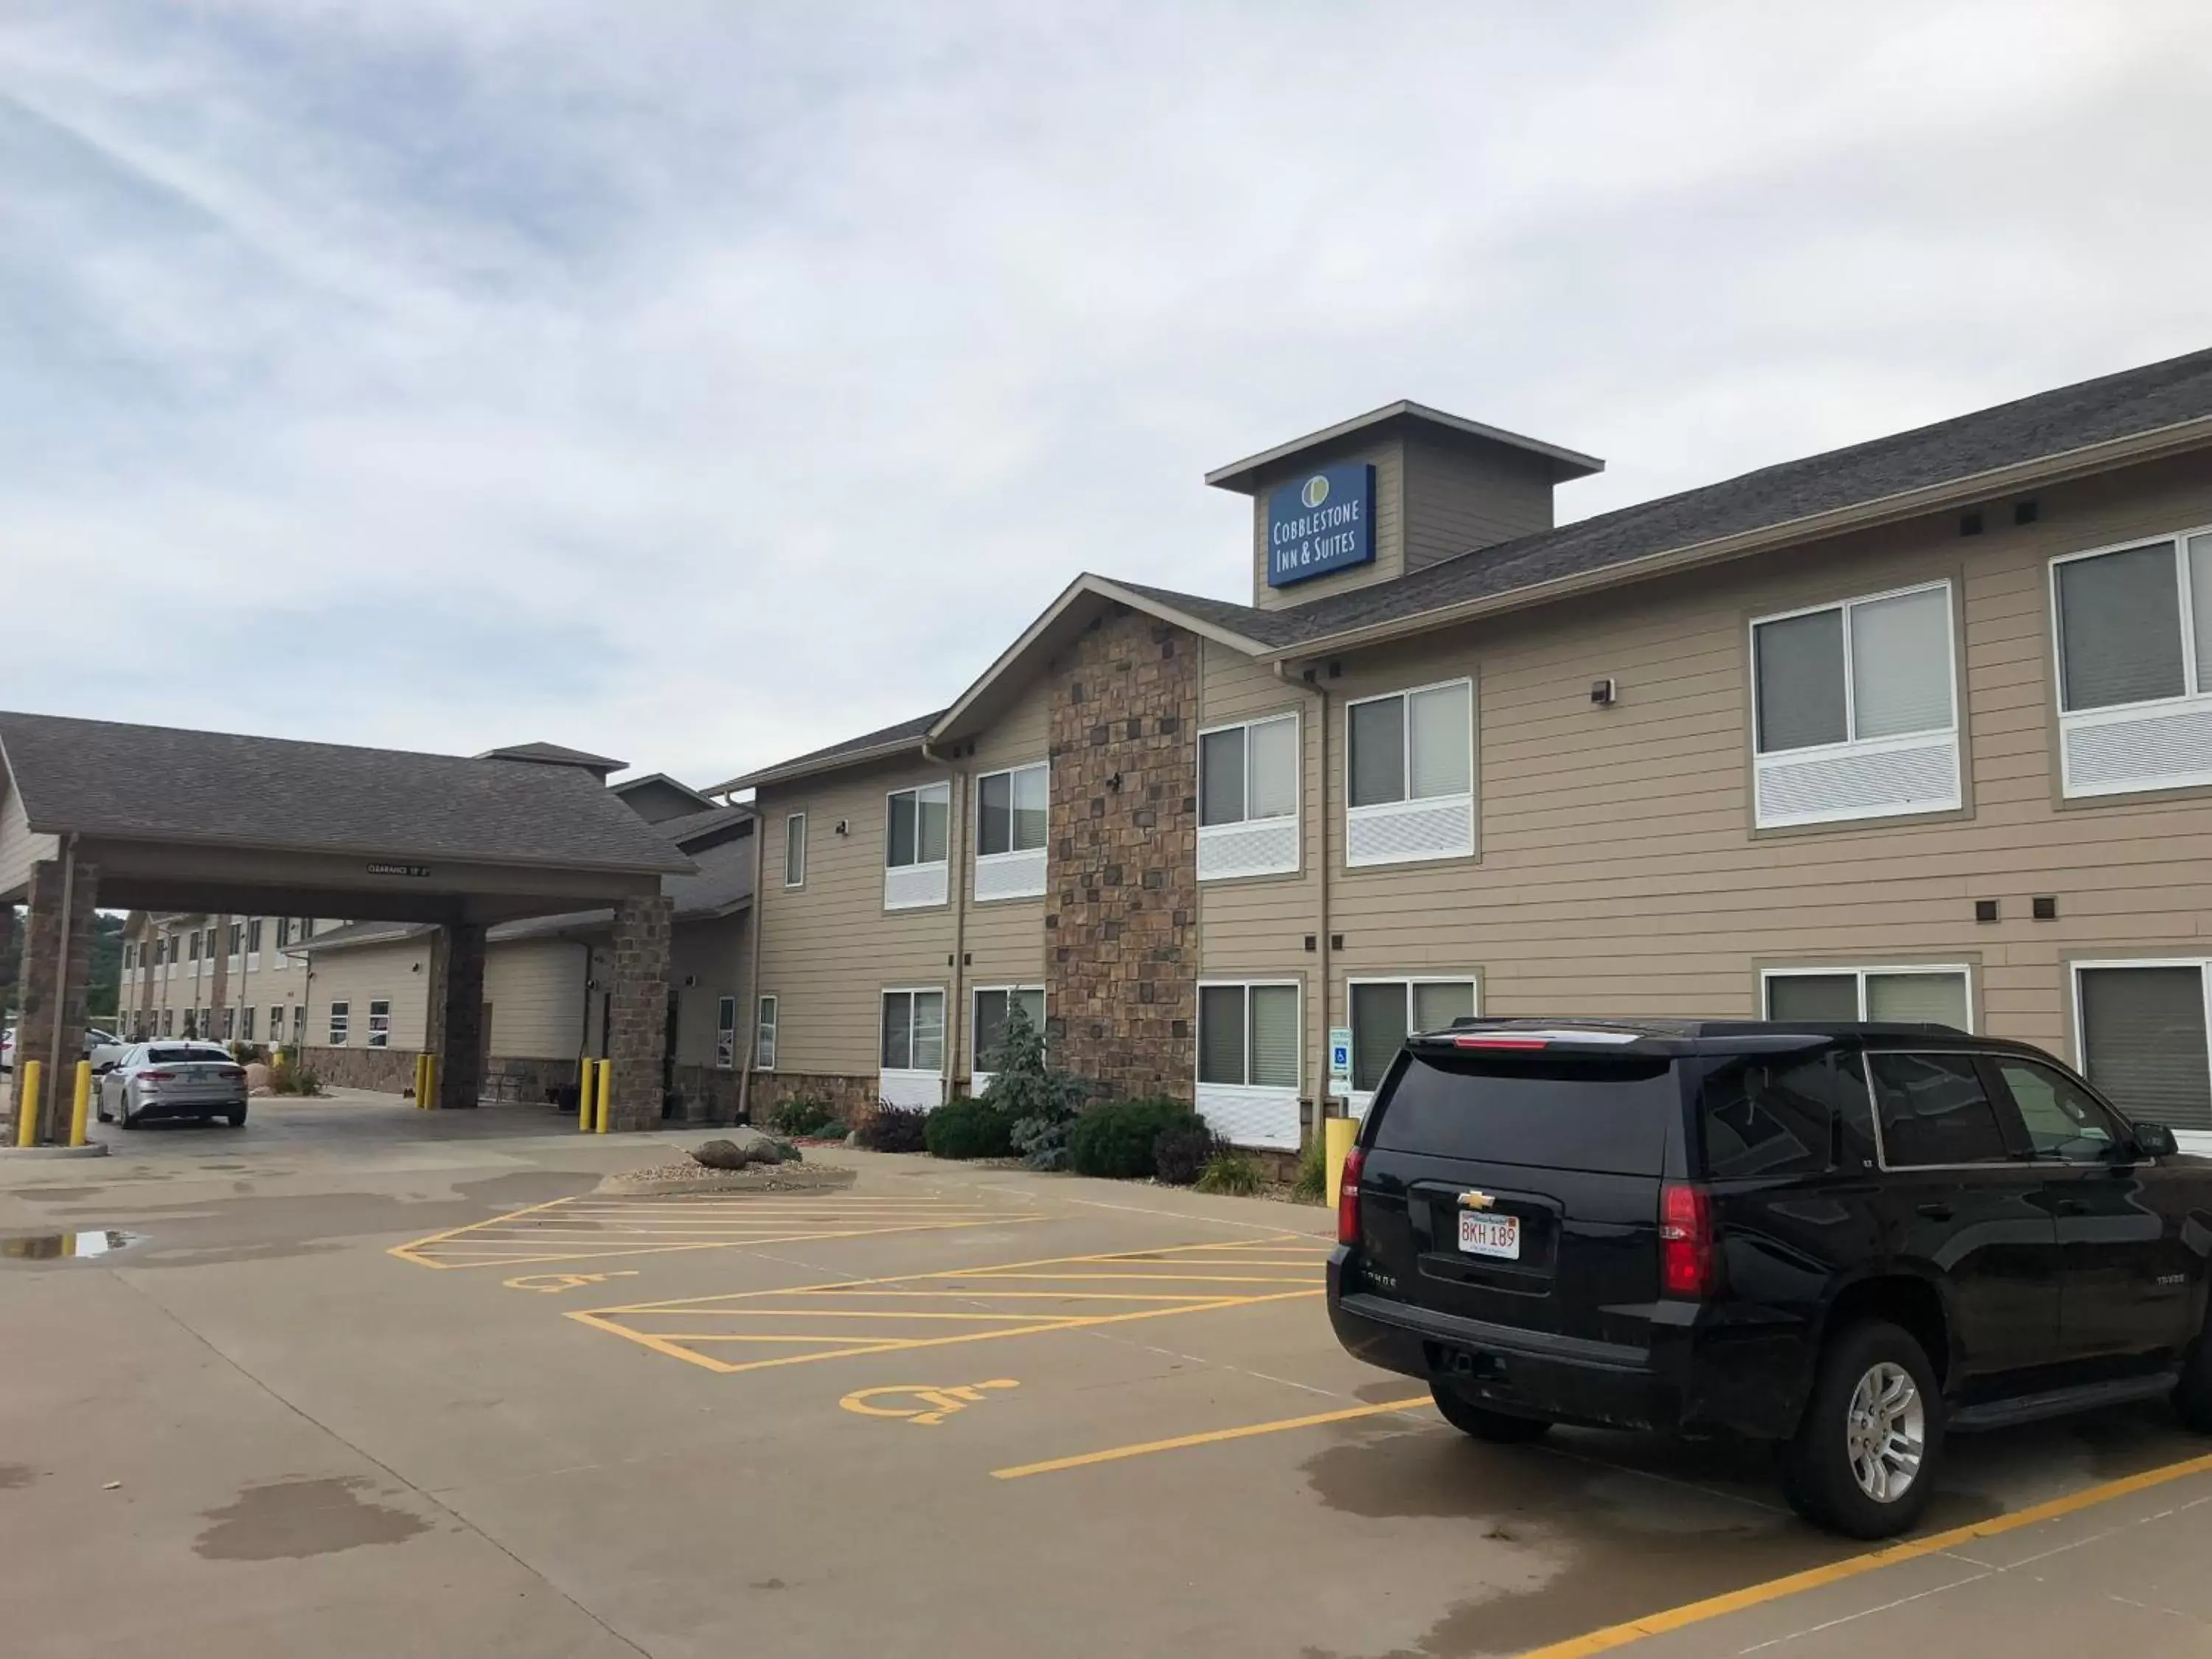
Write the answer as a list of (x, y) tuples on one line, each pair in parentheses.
[(277, 1023), (726, 1033), (2141, 1036), (246, 1024), (341, 1019), (1386, 1011), (993, 1003), (168, 1022), (1911, 995), (380, 1023), (914, 1031), (229, 1024), (1248, 1062)]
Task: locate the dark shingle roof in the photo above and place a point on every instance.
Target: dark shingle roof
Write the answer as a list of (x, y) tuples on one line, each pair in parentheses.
[(692, 825), (555, 754), (906, 732), (157, 782)]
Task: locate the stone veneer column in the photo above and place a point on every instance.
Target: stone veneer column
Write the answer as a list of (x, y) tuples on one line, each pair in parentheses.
[(1121, 915), (42, 1002), (456, 1014), (638, 1041)]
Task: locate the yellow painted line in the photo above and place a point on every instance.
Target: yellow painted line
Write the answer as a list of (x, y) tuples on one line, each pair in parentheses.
[(493, 1251), (1774, 1590), (851, 1313), (1212, 1436), (1162, 1278)]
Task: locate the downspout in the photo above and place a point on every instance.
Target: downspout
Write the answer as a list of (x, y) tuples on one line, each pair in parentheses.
[(753, 982), (61, 982), (958, 866), (584, 994), (1321, 930)]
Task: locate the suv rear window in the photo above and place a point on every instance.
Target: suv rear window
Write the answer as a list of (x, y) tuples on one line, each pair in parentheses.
[(1604, 1113), (1768, 1115)]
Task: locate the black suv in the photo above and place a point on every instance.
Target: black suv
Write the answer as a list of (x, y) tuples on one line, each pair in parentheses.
[(1846, 1239)]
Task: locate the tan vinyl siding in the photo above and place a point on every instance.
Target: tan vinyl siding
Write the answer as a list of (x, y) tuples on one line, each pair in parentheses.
[(22, 847), (1006, 937), (1388, 460), (827, 948), (536, 989), (399, 972), (715, 953), (1459, 499)]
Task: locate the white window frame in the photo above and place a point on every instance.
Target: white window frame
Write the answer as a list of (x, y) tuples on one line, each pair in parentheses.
[(2125, 714), (1248, 1114), (341, 1022), (1358, 1100), (978, 1079), (275, 1022), (1409, 804), (379, 1036), (1964, 971), (924, 884), (1852, 746), (2190, 1140), (910, 1085), (1019, 873), (1239, 849), (252, 944), (768, 1023), (794, 840)]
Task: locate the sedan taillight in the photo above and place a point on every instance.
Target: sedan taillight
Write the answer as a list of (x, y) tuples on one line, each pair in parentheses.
[(157, 1077)]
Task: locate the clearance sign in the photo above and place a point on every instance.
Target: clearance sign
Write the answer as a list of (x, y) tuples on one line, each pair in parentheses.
[(1322, 522)]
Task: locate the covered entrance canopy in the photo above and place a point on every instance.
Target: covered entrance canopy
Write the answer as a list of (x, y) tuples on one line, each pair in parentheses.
[(96, 813)]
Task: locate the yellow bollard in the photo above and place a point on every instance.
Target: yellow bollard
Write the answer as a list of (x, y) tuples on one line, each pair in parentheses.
[(27, 1119), (428, 1098), (418, 1082), (587, 1102), (1337, 1134), (606, 1093), (81, 1108)]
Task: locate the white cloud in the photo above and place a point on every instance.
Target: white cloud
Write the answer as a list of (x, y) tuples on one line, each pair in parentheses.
[(712, 383)]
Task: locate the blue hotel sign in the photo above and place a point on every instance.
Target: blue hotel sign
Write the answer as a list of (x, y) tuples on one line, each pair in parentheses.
[(1322, 522)]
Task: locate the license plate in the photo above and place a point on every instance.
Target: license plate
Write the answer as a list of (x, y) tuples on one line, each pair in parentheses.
[(1490, 1235)]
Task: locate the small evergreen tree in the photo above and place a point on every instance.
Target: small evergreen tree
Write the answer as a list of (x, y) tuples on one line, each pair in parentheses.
[(1038, 1100)]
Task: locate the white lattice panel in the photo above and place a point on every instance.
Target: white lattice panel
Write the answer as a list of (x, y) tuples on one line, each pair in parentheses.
[(912, 885), (1920, 774), (902, 1088), (1264, 847), (1251, 1117), (2169, 750), (1402, 831), (1009, 875)]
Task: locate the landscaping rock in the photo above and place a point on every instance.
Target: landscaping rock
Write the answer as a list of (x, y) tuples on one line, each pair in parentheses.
[(744, 1146)]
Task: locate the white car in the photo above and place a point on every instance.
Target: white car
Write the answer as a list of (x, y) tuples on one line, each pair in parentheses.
[(183, 1079), (101, 1048)]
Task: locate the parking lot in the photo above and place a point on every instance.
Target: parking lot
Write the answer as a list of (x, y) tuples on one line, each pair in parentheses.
[(362, 1381)]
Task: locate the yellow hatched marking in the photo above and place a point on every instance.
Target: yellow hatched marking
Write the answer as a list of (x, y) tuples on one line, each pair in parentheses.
[(902, 1326)]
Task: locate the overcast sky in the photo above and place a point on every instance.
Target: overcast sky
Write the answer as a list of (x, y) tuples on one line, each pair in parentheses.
[(699, 383)]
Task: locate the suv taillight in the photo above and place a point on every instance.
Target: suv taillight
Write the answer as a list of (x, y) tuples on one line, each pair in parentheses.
[(1347, 1199), (1689, 1243)]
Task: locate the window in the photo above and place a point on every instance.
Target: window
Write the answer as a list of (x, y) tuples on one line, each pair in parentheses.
[(237, 938), (283, 932), (195, 945), (254, 939), (1409, 766), (161, 951), (1385, 1011), (2063, 1121), (764, 1025), (993, 1002), (1769, 1117), (1934, 1110), (1909, 995), (341, 1017), (916, 839), (726, 1034), (304, 932), (380, 1023), (794, 850), (1248, 799), (276, 1022), (2140, 1038), (1012, 818), (1248, 1062), (246, 1024), (168, 1022), (914, 1031), (2133, 646), (1853, 712), (229, 1024)]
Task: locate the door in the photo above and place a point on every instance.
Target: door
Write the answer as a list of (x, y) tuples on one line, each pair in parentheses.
[(2128, 1283), (1957, 1199)]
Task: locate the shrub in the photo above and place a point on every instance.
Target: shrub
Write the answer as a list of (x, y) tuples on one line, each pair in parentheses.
[(801, 1116), (1312, 1183), (1116, 1139), (967, 1128), (1181, 1150), (895, 1129), (305, 1082), (1041, 1142), (1234, 1173)]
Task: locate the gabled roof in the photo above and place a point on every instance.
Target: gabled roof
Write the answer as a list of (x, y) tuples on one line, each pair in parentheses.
[(905, 738), (554, 754), (628, 786), (1401, 416), (703, 827), (354, 935), (159, 783)]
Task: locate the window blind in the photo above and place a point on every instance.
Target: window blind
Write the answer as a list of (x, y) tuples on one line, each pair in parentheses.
[(1221, 780), (1221, 1034), (1378, 751), (1436, 1006), (1934, 998), (1440, 752), (2119, 632), (1799, 670), (1274, 1036), (2143, 1042), (1275, 769), (1813, 996), (898, 1031), (928, 1031), (1378, 1026), (1032, 787), (1901, 664)]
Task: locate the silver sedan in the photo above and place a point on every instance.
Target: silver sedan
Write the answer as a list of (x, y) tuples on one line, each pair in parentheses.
[(174, 1079)]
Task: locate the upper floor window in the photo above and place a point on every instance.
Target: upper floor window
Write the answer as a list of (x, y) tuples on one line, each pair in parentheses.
[(2134, 666), (794, 850), (1248, 799), (916, 840), (194, 946), (253, 934), (128, 948), (1011, 809), (1410, 775), (237, 937), (1854, 709)]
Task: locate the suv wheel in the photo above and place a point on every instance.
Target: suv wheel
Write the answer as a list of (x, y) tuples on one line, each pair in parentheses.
[(1865, 1457), (1502, 1428), (2192, 1396)]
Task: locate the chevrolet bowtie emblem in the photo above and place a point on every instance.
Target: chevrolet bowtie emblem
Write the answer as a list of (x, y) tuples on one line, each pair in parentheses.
[(1476, 1202)]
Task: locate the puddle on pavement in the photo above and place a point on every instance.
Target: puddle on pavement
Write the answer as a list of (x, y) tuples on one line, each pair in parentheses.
[(53, 1246), (290, 1520)]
